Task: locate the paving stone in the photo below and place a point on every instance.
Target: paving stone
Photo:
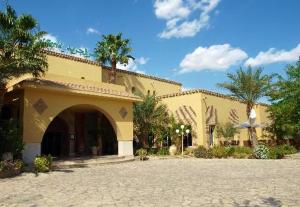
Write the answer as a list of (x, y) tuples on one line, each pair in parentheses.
[(167, 182)]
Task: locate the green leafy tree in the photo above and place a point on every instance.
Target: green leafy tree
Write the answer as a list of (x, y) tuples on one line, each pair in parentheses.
[(21, 47), (285, 108), (113, 49), (150, 118), (249, 85)]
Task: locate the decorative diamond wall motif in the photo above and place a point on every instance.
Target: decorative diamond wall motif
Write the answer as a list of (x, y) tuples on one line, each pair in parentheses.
[(123, 112), (40, 106)]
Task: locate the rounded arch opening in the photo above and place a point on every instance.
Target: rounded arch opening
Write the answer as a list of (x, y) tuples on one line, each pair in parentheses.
[(80, 130)]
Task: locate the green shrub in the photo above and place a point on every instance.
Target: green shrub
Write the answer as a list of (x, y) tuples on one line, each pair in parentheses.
[(288, 149), (152, 151), (242, 152), (278, 152), (142, 153), (200, 152), (230, 150), (209, 153), (3, 166), (219, 152), (19, 164), (189, 151), (163, 151), (261, 152), (43, 163), (10, 165)]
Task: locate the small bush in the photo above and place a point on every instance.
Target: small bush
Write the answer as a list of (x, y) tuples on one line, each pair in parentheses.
[(219, 152), (230, 150), (261, 152), (152, 151), (163, 151), (11, 168), (189, 151), (278, 152), (142, 153), (200, 152), (289, 149), (43, 163), (242, 152)]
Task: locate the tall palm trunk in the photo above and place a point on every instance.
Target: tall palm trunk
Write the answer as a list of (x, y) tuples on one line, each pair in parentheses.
[(112, 72), (2, 92), (252, 130)]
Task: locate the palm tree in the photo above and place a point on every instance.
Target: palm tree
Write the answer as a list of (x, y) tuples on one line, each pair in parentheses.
[(150, 118), (21, 48), (249, 85), (113, 49)]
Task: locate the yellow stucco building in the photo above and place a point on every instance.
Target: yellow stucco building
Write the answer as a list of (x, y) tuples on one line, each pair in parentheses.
[(73, 107)]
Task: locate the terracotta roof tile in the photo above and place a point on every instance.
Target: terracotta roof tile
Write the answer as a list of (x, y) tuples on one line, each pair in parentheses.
[(78, 87), (204, 92)]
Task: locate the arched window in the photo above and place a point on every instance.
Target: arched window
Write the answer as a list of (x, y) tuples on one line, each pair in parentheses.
[(148, 92)]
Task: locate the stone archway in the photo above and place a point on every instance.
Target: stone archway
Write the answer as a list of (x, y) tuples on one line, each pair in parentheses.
[(80, 130), (40, 109)]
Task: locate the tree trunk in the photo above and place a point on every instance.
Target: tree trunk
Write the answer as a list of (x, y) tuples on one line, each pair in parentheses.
[(112, 72), (252, 130), (2, 92)]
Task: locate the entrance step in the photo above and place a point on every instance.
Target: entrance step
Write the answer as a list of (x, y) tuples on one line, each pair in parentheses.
[(78, 162)]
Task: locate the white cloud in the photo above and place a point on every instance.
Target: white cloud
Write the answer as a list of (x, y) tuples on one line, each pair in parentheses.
[(133, 65), (142, 60), (91, 30), (50, 37), (274, 56), (177, 13), (215, 57), (169, 9)]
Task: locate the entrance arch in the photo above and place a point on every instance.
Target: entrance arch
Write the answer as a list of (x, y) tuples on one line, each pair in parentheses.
[(80, 130)]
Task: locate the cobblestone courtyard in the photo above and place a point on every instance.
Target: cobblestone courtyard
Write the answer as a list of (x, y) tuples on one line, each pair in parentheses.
[(172, 182)]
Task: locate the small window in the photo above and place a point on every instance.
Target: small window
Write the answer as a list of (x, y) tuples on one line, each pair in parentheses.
[(82, 78), (148, 92), (154, 93), (133, 90)]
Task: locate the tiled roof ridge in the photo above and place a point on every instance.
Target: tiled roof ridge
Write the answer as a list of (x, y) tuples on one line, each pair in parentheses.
[(83, 60), (208, 92), (81, 87)]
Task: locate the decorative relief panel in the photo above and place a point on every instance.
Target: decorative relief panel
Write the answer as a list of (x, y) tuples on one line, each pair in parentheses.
[(123, 112), (40, 106)]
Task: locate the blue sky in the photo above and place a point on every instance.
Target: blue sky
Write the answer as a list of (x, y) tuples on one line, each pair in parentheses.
[(195, 42)]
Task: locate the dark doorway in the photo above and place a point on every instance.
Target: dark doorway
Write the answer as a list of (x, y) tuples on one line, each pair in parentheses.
[(55, 141), (91, 134)]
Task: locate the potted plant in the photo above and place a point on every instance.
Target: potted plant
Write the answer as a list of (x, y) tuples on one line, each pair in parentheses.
[(173, 149)]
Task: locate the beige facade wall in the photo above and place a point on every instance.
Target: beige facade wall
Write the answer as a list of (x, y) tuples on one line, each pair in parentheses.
[(188, 109), (73, 69), (211, 110), (35, 124), (143, 84)]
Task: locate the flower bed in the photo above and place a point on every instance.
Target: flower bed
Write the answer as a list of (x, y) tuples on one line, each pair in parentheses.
[(259, 152), (11, 168)]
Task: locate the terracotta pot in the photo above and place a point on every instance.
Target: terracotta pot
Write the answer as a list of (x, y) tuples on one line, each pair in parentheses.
[(94, 151), (172, 150)]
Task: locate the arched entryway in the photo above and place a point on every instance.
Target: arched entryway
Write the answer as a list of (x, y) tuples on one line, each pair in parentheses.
[(80, 130), (56, 140)]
